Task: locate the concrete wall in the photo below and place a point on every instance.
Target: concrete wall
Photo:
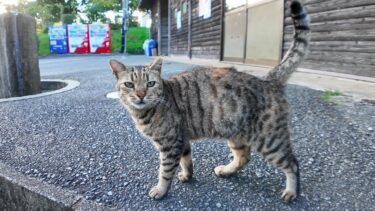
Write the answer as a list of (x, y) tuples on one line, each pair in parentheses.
[(18, 192), (19, 67), (16, 197)]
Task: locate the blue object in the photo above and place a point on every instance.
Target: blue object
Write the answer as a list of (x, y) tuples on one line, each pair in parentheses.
[(58, 39), (148, 45)]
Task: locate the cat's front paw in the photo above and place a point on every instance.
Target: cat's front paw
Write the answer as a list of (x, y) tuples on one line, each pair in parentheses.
[(222, 171), (157, 193), (183, 177), (288, 195)]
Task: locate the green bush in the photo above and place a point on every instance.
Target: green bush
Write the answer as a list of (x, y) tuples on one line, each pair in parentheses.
[(115, 26), (68, 18)]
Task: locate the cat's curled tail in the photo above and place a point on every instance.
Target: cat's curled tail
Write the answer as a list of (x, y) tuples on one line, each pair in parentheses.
[(298, 50)]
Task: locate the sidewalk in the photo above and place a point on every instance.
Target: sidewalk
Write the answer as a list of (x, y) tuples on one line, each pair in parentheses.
[(356, 86)]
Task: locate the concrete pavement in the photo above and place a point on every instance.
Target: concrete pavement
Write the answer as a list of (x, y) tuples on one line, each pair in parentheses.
[(82, 142)]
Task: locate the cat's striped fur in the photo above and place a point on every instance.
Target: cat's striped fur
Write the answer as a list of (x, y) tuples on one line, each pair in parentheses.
[(207, 102)]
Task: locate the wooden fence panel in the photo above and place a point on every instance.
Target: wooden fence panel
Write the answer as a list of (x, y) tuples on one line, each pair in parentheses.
[(342, 38)]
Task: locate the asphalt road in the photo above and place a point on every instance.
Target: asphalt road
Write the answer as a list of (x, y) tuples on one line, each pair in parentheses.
[(82, 141)]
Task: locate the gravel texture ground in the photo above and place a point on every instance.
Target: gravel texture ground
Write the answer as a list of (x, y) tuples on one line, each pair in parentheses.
[(82, 141)]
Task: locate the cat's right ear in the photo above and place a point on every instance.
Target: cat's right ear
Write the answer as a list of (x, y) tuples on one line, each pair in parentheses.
[(156, 65), (116, 67)]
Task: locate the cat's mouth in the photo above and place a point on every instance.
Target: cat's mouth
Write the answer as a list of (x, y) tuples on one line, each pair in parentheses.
[(140, 102)]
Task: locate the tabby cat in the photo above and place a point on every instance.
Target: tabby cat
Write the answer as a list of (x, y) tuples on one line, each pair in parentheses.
[(208, 102)]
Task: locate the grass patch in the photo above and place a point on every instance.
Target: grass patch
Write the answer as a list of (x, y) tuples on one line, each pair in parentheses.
[(326, 96), (135, 38), (43, 44), (116, 40)]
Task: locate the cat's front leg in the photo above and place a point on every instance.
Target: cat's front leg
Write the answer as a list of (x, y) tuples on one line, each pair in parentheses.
[(169, 161)]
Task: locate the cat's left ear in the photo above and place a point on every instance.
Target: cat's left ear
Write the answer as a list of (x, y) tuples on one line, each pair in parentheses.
[(156, 65)]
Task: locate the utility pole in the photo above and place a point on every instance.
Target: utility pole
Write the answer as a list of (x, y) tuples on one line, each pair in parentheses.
[(125, 10)]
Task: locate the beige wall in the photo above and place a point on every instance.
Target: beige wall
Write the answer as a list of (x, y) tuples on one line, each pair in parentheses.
[(253, 32), (235, 34), (264, 33)]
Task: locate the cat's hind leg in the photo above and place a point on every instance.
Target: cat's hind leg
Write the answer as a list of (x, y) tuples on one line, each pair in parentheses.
[(279, 153), (292, 180), (241, 155), (186, 164)]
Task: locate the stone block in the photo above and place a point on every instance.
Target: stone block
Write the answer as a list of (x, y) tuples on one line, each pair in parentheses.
[(19, 65)]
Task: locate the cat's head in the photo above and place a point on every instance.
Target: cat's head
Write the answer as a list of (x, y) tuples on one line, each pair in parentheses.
[(139, 87)]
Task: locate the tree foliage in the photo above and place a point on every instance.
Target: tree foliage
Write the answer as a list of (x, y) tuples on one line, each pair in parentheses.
[(69, 6), (67, 18), (46, 11), (96, 8), (66, 11)]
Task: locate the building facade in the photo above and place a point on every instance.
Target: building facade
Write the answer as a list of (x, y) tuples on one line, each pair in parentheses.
[(259, 32)]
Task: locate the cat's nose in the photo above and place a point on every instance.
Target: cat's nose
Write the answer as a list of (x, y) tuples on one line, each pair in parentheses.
[(141, 93)]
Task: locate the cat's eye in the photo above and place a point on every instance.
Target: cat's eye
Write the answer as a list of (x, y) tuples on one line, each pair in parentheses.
[(129, 84), (150, 83)]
